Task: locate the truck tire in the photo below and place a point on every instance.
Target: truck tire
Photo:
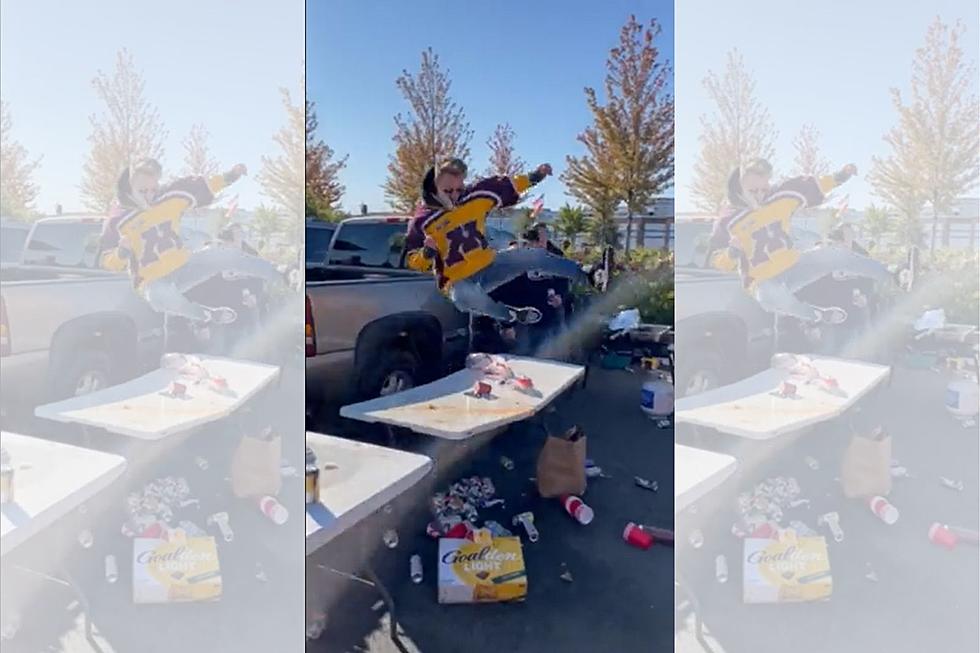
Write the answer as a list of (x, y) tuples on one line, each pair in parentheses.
[(84, 373), (698, 371), (390, 372)]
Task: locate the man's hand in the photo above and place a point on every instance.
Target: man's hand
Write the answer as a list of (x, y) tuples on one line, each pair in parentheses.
[(429, 242), (508, 334), (544, 169), (846, 173), (554, 300), (236, 173)]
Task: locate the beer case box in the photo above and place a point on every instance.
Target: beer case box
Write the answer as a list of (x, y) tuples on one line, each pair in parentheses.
[(786, 570), (481, 572), (177, 571)]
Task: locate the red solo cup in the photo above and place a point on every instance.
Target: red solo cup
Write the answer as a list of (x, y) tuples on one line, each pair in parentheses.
[(482, 389), (578, 510), (178, 389), (274, 510), (636, 536), (939, 534), (460, 531), (523, 383), (886, 512), (766, 531)]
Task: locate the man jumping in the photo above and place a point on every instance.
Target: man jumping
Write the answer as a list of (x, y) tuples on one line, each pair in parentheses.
[(448, 237), (755, 239), (145, 238)]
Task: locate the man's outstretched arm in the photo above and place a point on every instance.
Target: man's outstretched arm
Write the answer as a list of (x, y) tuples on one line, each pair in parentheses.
[(507, 191)]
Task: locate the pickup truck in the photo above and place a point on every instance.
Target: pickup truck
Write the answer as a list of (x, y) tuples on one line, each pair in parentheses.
[(67, 327), (373, 327)]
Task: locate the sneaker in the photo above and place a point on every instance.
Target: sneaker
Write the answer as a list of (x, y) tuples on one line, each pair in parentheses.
[(832, 315), (221, 315), (526, 315)]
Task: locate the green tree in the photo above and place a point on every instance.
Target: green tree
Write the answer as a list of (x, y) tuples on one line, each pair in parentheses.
[(877, 223), (739, 131), (435, 129), (808, 161), (604, 231), (197, 154), (522, 221), (630, 146), (282, 176), (321, 210), (128, 130), (571, 222), (267, 224), (18, 192), (503, 159), (934, 148)]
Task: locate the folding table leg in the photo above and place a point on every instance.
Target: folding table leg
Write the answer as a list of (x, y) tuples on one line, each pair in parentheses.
[(389, 603), (696, 608), (70, 583)]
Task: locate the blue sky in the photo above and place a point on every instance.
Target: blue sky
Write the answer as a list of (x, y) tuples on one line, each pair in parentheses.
[(519, 62), (218, 62), (830, 63)]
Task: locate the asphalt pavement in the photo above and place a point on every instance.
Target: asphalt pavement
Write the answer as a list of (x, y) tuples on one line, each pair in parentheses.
[(893, 590), (620, 598)]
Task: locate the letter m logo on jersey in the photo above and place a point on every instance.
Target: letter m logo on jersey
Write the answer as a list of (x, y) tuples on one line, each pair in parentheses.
[(157, 240), (462, 240), (769, 239)]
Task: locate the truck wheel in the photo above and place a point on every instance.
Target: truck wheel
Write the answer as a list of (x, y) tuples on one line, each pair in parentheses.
[(86, 372), (391, 372), (699, 371)]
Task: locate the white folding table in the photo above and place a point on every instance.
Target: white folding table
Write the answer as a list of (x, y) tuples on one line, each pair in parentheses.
[(357, 480), (361, 478), (51, 479), (141, 409), (444, 409), (698, 472), (750, 409)]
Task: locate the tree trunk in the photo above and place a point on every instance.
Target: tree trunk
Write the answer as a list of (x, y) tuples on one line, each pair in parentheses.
[(935, 227), (629, 227)]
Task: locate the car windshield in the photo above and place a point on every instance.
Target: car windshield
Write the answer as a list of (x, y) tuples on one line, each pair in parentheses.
[(64, 244), (12, 242), (318, 237)]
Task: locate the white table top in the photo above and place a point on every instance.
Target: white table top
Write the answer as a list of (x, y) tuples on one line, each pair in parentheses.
[(139, 410), (697, 472), (443, 409), (748, 408), (365, 479), (50, 480)]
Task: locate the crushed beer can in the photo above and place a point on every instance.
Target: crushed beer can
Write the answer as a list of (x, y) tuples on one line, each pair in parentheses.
[(646, 484)]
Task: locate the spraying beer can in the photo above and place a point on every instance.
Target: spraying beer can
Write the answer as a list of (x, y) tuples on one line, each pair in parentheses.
[(415, 568), (312, 483), (111, 569), (6, 483), (721, 569)]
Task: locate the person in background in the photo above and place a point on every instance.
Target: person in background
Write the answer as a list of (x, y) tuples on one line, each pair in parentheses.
[(550, 295)]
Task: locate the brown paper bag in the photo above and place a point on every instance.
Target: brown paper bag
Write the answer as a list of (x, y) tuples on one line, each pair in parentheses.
[(561, 466), (866, 469), (255, 467)]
